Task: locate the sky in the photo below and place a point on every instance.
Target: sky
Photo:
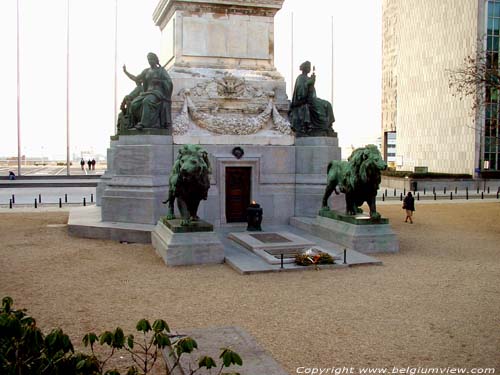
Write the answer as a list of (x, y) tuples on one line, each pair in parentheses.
[(356, 69)]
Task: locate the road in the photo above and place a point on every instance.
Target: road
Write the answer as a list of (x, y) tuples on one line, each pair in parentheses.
[(50, 170)]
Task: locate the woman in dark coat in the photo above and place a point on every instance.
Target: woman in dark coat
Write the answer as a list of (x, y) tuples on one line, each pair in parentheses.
[(409, 206)]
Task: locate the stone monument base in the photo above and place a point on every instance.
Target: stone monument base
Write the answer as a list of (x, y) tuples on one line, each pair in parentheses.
[(359, 232), (179, 248), (271, 245)]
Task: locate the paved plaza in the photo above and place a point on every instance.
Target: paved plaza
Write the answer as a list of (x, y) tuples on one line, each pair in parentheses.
[(433, 304)]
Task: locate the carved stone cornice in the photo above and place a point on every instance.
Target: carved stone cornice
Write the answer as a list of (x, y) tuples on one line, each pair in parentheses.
[(165, 8)]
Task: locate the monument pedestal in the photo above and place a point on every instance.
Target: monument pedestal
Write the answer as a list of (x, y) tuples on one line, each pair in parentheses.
[(187, 245), (312, 155), (139, 179), (359, 232), (363, 236)]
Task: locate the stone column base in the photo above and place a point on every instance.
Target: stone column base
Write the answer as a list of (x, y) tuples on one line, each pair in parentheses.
[(364, 238), (182, 249)]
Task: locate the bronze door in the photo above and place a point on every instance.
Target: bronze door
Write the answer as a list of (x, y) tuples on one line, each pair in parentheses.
[(237, 193)]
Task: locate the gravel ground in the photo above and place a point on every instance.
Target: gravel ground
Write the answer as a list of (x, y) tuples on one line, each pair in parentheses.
[(434, 304)]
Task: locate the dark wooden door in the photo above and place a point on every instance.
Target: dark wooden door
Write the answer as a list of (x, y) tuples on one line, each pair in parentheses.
[(237, 193)]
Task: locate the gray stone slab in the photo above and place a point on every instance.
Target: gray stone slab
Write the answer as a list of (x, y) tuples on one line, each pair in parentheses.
[(246, 262), (86, 222), (181, 249), (256, 360), (366, 239), (138, 180), (312, 156), (263, 243)]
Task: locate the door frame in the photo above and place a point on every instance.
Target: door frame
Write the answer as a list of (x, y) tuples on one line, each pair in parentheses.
[(222, 164), (248, 173)]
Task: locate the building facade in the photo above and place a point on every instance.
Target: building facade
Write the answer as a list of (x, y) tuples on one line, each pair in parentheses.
[(422, 42)]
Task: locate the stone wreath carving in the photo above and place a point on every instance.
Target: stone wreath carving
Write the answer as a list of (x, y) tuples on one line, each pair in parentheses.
[(227, 86), (232, 124)]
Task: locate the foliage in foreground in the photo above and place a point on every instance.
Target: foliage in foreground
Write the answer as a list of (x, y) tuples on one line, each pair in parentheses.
[(24, 349)]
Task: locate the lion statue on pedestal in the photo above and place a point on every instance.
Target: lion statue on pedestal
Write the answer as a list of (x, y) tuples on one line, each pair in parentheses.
[(358, 177), (188, 182)]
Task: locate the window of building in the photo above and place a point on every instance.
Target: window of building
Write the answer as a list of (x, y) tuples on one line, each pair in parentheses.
[(491, 151)]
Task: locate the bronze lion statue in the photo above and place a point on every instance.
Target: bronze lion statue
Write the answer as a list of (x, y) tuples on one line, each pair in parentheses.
[(188, 183), (358, 177)]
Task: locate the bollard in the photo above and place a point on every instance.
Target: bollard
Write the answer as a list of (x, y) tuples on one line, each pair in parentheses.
[(455, 190), (36, 204), (434, 196), (92, 198), (394, 192), (65, 198), (444, 190), (383, 197), (281, 260), (482, 195), (478, 190), (401, 197), (424, 191), (451, 195), (39, 198), (488, 189), (84, 202), (10, 203), (466, 193), (60, 203), (14, 198), (385, 191), (418, 196), (345, 256), (404, 191)]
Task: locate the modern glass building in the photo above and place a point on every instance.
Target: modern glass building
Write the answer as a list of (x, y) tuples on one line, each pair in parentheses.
[(492, 112), (422, 42)]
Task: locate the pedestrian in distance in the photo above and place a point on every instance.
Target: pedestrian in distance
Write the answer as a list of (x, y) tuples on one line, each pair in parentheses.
[(409, 206), (93, 164), (12, 176), (82, 164), (89, 163)]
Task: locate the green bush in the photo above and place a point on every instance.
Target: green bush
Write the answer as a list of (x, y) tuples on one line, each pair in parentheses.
[(25, 350)]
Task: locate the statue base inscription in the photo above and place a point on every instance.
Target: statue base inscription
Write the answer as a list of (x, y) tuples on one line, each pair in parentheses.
[(183, 249)]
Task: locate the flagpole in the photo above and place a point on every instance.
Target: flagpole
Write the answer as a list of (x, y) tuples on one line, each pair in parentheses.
[(67, 92), (291, 57), (18, 100), (116, 65), (332, 63)]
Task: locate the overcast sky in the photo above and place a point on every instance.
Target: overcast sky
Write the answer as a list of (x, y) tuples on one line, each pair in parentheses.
[(357, 66)]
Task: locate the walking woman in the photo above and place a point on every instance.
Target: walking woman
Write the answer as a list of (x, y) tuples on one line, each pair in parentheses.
[(409, 206)]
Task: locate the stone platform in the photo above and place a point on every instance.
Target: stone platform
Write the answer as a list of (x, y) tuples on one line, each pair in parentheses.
[(359, 233), (270, 245), (188, 248), (86, 222), (256, 360)]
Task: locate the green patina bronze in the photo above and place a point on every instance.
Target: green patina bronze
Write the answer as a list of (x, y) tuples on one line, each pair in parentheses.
[(359, 178), (188, 183), (148, 106), (309, 115)]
